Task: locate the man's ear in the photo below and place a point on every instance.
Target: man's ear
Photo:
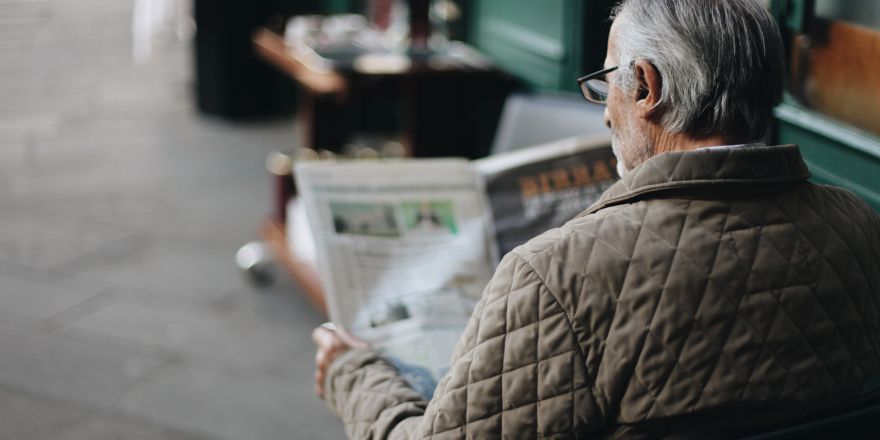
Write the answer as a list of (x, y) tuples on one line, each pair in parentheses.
[(650, 86)]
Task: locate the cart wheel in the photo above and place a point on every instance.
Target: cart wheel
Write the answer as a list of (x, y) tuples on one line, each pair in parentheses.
[(256, 264)]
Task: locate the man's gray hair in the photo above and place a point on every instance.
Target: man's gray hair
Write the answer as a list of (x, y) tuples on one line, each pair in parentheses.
[(721, 62)]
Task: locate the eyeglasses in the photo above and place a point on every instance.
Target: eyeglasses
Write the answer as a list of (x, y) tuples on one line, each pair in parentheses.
[(595, 86)]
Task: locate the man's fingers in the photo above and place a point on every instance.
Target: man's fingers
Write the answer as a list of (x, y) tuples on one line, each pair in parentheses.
[(325, 356), (330, 339), (330, 342), (351, 340), (322, 336), (319, 383), (320, 359)]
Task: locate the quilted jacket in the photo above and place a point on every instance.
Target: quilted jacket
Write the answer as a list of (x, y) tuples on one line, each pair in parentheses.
[(707, 290)]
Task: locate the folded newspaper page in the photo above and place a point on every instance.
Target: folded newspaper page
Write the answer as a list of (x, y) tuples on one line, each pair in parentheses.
[(536, 189), (405, 247), (402, 251)]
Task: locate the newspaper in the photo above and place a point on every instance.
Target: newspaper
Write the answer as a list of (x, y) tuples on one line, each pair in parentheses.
[(405, 247), (536, 189), (401, 249)]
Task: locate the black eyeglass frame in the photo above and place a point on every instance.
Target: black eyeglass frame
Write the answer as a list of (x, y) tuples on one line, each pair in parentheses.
[(584, 84)]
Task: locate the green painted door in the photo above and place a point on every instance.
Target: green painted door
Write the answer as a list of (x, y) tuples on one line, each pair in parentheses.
[(545, 43), (835, 153)]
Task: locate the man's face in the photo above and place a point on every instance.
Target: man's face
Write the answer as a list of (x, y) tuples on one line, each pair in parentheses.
[(628, 135)]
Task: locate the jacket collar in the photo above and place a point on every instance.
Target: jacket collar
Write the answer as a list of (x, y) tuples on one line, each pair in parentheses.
[(719, 168)]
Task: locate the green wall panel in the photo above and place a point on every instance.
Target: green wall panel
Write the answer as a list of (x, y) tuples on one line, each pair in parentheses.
[(836, 154), (338, 6), (538, 19), (538, 41), (863, 12)]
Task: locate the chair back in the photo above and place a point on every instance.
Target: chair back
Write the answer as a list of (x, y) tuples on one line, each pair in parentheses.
[(533, 119)]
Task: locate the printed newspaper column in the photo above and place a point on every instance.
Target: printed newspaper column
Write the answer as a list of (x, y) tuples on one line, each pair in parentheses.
[(539, 188), (402, 251), (405, 247)]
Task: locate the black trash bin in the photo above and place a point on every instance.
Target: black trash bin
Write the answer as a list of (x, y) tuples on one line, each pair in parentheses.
[(231, 81)]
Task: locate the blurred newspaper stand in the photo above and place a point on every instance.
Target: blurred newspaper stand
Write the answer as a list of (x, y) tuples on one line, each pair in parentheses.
[(450, 100), (448, 96), (404, 247), (529, 154), (286, 232)]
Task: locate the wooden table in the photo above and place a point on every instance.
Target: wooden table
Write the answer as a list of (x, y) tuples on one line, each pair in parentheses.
[(451, 101), (451, 106)]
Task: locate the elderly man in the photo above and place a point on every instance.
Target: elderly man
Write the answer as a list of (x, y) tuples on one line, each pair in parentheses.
[(712, 288)]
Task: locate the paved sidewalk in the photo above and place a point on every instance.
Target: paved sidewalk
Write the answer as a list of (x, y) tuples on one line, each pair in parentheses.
[(122, 314)]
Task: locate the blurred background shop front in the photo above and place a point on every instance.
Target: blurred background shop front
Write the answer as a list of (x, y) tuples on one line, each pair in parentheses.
[(134, 137)]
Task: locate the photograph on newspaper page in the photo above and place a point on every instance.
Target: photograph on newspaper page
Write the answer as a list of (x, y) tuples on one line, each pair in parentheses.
[(402, 251), (539, 188)]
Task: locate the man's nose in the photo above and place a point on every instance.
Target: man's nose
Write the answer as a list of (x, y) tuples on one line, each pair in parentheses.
[(607, 117)]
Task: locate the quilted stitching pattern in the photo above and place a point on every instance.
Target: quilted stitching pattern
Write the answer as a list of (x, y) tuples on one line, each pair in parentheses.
[(672, 314), (522, 361)]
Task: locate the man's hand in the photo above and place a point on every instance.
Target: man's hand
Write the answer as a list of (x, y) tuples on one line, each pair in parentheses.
[(331, 343)]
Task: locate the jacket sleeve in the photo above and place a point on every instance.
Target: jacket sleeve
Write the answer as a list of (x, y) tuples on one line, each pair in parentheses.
[(517, 372)]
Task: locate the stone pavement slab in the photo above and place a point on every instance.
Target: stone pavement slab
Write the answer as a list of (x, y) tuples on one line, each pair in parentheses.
[(62, 367), (241, 406), (122, 314), (39, 299), (25, 416)]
